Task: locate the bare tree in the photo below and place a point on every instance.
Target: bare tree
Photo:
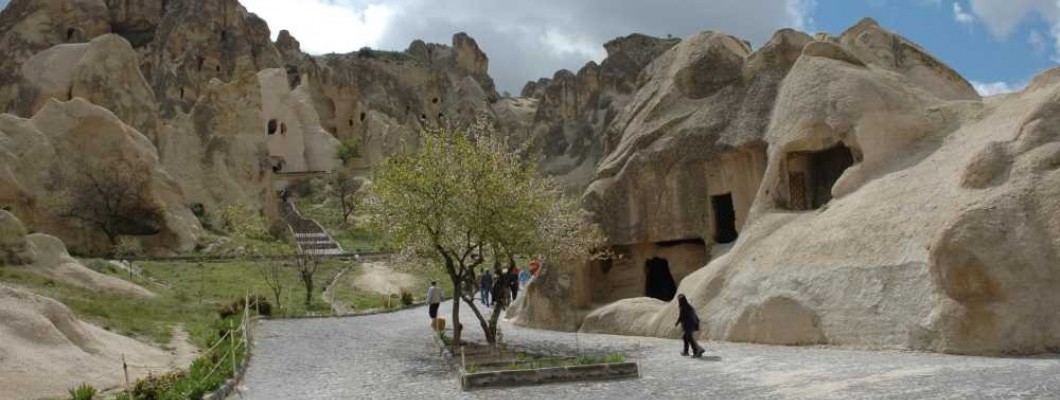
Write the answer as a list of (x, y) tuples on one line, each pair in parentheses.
[(272, 272), (113, 197), (344, 186), (306, 264)]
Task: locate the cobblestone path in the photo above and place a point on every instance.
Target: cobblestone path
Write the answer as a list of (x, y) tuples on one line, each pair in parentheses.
[(392, 356)]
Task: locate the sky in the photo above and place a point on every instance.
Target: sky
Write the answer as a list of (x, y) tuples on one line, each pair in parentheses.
[(998, 45)]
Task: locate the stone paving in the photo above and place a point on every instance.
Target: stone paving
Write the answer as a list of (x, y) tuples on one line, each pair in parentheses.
[(392, 356)]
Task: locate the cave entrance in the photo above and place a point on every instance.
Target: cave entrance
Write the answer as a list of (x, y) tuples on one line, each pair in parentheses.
[(659, 283), (724, 219), (811, 175)]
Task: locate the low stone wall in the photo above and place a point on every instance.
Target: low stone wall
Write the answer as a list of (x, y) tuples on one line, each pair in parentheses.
[(523, 377)]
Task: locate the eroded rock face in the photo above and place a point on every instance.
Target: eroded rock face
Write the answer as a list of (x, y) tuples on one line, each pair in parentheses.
[(574, 111), (830, 149), (380, 100), (51, 350), (68, 142)]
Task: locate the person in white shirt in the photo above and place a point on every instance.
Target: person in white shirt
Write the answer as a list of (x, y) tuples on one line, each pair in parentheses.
[(434, 299)]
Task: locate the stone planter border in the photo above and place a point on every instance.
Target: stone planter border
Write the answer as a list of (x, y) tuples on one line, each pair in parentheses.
[(523, 377)]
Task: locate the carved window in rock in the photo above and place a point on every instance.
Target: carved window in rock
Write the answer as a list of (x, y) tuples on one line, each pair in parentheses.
[(812, 174), (70, 34), (434, 100), (724, 219), (659, 282), (283, 128), (363, 116), (272, 126), (350, 122)]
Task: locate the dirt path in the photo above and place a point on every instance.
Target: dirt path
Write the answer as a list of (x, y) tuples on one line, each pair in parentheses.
[(180, 347), (379, 277), (338, 307)]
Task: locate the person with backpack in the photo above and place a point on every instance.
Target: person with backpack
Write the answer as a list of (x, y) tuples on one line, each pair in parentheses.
[(689, 321)]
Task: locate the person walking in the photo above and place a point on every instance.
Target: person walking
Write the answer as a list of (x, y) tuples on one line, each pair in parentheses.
[(485, 285), (524, 277), (434, 299), (689, 321), (512, 279)]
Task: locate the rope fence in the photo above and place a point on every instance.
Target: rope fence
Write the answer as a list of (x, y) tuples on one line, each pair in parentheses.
[(238, 338)]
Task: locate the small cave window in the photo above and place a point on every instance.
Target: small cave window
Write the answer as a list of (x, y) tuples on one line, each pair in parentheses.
[(217, 68), (70, 34), (724, 219), (350, 121), (201, 62), (224, 35), (811, 175), (659, 282), (441, 116), (363, 116), (283, 128), (182, 93), (434, 100), (423, 116), (272, 126)]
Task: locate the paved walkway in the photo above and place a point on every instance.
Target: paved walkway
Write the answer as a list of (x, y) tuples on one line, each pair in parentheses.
[(391, 356)]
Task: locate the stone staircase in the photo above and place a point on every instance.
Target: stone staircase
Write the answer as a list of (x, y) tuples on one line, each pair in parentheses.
[(311, 238)]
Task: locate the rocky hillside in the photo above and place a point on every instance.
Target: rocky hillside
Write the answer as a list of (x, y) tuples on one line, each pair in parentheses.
[(848, 190)]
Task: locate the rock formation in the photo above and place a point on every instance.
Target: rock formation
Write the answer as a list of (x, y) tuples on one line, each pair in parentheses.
[(884, 204), (574, 111), (48, 350), (183, 74), (76, 145), (380, 100)]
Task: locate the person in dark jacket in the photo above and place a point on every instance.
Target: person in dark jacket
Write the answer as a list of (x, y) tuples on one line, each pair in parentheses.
[(512, 279), (485, 285), (689, 321)]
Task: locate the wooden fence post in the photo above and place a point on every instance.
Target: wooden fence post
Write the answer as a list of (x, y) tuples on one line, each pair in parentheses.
[(125, 368)]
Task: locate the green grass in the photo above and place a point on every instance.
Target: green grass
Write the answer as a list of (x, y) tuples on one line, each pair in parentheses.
[(193, 298)]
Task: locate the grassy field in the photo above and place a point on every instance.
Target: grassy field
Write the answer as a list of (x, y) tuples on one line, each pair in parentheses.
[(195, 294)]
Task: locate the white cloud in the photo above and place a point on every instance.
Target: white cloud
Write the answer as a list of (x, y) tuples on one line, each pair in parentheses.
[(324, 26), (1002, 17), (962, 17), (996, 88), (1037, 41)]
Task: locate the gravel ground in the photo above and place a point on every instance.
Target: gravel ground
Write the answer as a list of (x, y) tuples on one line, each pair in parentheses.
[(392, 356)]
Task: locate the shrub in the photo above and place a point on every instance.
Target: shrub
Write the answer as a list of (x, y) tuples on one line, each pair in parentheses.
[(347, 151), (406, 297), (155, 387), (256, 302), (83, 392), (101, 266), (365, 52)]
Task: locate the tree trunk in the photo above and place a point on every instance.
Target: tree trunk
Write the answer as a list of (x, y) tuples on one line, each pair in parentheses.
[(308, 281), (457, 329)]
